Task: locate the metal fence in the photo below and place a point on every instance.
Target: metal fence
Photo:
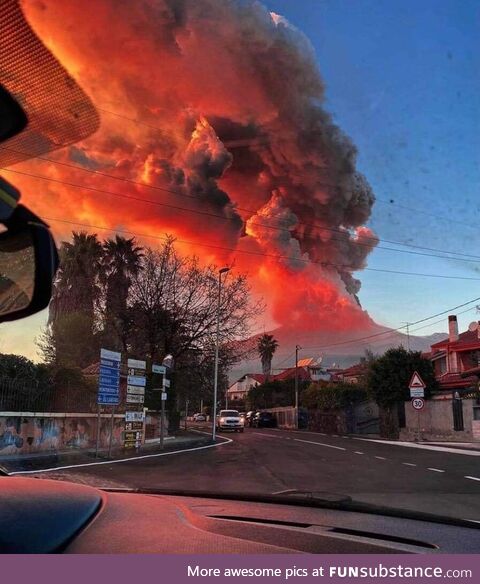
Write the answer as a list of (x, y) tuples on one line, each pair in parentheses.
[(25, 396)]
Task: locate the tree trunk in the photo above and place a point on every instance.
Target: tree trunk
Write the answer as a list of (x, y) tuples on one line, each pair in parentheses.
[(389, 427)]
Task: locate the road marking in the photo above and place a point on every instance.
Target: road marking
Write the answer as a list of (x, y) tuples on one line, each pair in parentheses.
[(380, 458), (423, 446), (284, 492), (267, 435), (435, 469), (409, 464), (472, 478), (319, 444), (358, 452), (143, 457)]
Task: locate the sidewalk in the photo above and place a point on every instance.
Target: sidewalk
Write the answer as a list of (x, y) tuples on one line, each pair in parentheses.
[(459, 445), (41, 460)]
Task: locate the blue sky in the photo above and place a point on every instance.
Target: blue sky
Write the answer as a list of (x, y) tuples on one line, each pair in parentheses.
[(402, 79)]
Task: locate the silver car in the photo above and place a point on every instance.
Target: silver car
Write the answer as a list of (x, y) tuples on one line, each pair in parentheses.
[(229, 420)]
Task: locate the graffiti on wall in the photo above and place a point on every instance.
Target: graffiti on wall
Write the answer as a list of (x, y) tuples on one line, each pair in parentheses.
[(28, 435)]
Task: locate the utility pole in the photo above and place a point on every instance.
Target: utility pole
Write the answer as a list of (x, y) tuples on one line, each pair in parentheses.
[(297, 348), (408, 335), (217, 343)]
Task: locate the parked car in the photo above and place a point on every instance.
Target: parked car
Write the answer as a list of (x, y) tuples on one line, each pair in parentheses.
[(302, 420), (199, 417), (229, 420), (249, 418), (264, 420)]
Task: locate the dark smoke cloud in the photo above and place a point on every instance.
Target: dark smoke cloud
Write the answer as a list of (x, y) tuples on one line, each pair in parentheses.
[(231, 103)]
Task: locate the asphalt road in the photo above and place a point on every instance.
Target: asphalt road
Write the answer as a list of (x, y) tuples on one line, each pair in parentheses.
[(271, 461)]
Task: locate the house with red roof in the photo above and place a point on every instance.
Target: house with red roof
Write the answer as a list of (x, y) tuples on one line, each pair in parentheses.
[(308, 369), (456, 359), (453, 412), (353, 374), (238, 391)]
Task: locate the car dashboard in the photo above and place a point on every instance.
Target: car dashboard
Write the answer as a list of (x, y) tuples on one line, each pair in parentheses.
[(46, 516)]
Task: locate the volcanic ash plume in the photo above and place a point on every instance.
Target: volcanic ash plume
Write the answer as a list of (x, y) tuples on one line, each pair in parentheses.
[(217, 104)]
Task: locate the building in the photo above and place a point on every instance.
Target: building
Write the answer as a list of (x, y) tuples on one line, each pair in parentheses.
[(239, 389), (453, 412), (457, 357), (309, 369), (353, 374)]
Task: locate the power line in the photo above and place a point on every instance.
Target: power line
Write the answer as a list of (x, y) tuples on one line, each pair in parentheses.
[(389, 332), (441, 320), (464, 257), (386, 333), (261, 254), (380, 200), (467, 258)]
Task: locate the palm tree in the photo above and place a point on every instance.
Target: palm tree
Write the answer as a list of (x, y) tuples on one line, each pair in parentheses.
[(266, 346), (75, 299), (76, 286), (121, 262)]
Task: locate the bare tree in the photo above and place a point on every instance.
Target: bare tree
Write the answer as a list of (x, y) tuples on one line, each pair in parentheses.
[(173, 301)]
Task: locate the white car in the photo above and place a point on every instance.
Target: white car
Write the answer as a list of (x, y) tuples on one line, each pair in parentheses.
[(229, 420), (199, 418)]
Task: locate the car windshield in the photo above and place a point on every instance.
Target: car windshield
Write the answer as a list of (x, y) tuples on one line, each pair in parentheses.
[(273, 208)]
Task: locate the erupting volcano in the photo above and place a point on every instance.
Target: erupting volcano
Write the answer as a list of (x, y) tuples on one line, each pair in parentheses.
[(217, 106)]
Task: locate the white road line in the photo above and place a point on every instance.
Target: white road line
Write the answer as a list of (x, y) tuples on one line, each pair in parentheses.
[(472, 478), (143, 457), (409, 464), (435, 469), (358, 452), (380, 458), (284, 492), (319, 444), (422, 446), (267, 435)]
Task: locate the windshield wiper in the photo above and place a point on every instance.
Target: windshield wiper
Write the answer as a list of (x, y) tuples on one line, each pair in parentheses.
[(299, 498)]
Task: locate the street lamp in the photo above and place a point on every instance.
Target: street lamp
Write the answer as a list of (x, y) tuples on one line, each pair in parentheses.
[(297, 348), (217, 342)]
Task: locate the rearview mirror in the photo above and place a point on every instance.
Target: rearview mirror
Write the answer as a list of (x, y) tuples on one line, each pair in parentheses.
[(28, 262)]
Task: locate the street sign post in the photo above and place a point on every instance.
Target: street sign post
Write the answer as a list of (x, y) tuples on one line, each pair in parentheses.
[(109, 378), (136, 383), (108, 389), (418, 403), (416, 386)]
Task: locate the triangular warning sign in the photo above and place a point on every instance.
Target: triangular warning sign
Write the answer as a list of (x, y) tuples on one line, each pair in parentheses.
[(416, 381)]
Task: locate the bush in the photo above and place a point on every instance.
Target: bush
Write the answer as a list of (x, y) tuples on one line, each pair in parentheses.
[(332, 396)]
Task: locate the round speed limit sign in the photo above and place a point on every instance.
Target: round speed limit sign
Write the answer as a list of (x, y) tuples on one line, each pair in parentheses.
[(418, 403)]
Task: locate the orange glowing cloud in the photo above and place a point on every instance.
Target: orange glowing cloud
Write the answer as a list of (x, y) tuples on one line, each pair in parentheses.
[(212, 130)]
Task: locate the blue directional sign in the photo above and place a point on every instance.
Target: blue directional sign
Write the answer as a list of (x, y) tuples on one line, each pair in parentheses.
[(108, 381), (108, 400), (109, 378)]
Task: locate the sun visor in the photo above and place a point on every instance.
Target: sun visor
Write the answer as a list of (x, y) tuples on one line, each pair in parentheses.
[(59, 113)]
